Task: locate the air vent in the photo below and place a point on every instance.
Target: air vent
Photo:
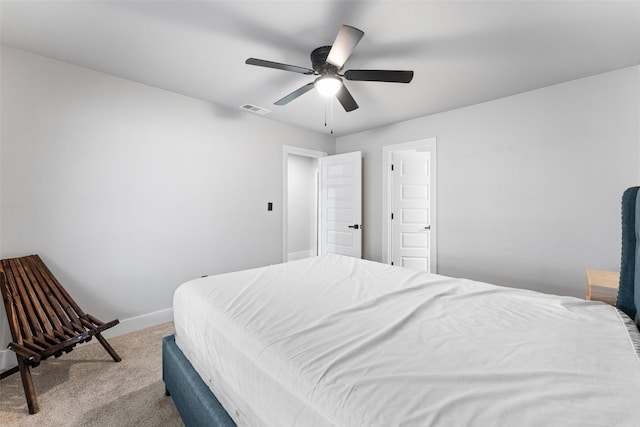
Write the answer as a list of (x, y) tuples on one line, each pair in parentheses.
[(254, 109)]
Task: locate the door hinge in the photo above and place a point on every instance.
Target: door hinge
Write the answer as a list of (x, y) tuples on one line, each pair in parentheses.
[(391, 262), (391, 216), (391, 166)]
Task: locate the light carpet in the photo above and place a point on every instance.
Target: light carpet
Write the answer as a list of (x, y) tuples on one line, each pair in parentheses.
[(87, 388)]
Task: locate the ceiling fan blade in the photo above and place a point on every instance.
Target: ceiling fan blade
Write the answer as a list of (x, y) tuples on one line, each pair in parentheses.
[(345, 98), (348, 37), (293, 95), (391, 76), (278, 66)]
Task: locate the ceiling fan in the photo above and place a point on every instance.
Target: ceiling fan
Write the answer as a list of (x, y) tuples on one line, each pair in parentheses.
[(327, 62)]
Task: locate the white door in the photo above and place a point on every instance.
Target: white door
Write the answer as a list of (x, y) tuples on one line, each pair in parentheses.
[(341, 204), (410, 203)]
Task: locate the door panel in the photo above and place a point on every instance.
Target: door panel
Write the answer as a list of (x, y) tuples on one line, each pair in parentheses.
[(416, 263), (341, 204), (410, 226)]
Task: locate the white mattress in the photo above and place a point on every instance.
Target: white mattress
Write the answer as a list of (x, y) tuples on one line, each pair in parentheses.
[(340, 341)]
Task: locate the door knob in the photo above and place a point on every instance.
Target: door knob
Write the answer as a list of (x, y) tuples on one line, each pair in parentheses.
[(428, 227), (355, 226)]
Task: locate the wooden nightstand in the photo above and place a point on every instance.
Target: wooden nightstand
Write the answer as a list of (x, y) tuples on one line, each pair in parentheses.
[(602, 286)]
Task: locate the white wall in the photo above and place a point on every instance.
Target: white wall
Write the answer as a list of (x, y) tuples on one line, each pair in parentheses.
[(302, 206), (126, 190), (529, 186)]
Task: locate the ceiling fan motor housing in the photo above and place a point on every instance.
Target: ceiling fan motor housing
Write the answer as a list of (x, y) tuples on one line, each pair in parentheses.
[(319, 61)]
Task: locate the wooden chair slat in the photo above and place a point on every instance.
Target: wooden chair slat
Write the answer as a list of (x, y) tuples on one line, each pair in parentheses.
[(51, 338), (54, 298), (60, 335), (25, 352), (77, 326), (9, 303), (47, 340), (94, 320), (70, 343), (69, 330), (35, 296), (60, 312), (31, 326), (88, 324), (55, 284), (34, 346), (18, 306), (44, 295), (39, 340), (43, 318)]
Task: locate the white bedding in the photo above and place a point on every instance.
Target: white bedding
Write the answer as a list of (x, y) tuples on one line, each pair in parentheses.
[(334, 340)]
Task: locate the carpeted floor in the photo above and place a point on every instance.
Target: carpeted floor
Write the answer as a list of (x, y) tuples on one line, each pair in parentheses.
[(87, 388)]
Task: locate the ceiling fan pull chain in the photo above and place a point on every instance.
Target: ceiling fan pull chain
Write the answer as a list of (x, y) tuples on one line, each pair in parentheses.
[(331, 119), (325, 114)]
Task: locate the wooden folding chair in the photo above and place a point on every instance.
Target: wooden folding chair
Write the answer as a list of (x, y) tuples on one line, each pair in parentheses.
[(43, 318)]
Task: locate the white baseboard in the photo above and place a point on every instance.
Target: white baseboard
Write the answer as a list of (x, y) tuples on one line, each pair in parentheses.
[(137, 323), (292, 256), (8, 358)]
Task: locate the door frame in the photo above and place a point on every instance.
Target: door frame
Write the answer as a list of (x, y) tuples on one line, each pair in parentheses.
[(426, 144), (297, 151)]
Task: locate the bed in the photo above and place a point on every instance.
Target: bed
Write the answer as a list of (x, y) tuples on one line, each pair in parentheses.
[(334, 340)]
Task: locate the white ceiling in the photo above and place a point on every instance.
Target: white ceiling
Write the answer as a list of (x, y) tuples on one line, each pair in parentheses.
[(462, 52)]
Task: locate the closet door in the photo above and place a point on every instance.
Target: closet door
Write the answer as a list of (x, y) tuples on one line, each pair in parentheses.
[(410, 203)]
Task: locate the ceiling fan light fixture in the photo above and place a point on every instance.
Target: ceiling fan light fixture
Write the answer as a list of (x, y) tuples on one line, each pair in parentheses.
[(328, 85)]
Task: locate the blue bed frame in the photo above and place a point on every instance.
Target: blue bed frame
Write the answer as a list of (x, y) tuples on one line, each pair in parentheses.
[(198, 406), (195, 402)]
